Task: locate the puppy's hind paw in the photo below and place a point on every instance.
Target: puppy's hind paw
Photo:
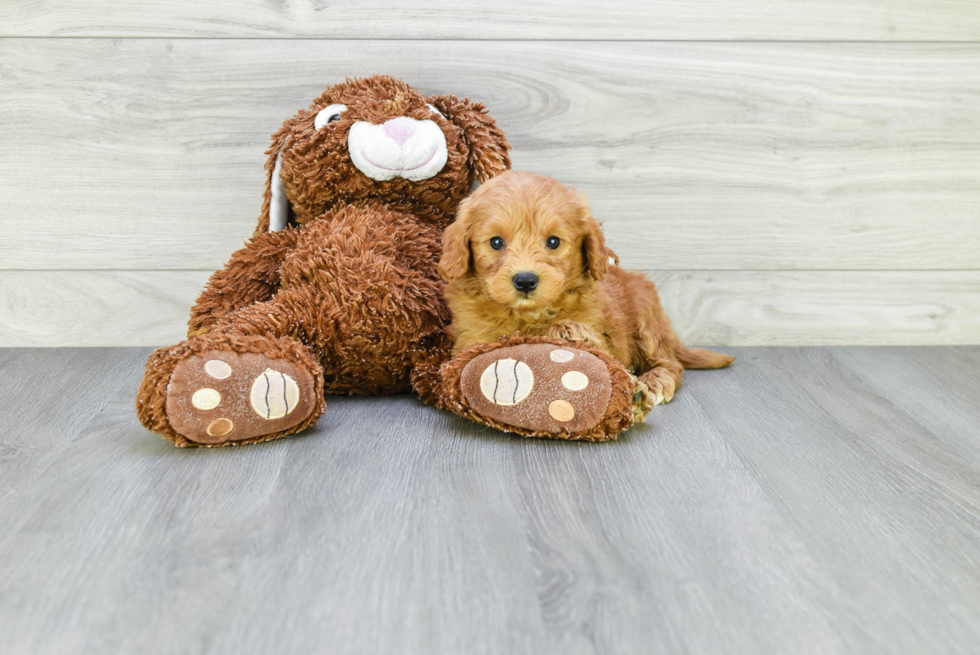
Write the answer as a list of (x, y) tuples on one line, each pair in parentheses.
[(657, 387), (644, 400)]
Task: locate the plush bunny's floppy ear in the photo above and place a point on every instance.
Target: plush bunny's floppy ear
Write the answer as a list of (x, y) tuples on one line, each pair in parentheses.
[(489, 148), (275, 208), (456, 256)]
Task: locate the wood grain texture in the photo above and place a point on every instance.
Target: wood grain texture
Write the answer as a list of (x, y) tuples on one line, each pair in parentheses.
[(50, 395), (823, 307), (125, 154), (88, 308), (150, 308), (769, 20), (803, 501)]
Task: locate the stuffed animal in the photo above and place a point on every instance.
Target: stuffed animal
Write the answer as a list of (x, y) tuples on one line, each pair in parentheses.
[(338, 290)]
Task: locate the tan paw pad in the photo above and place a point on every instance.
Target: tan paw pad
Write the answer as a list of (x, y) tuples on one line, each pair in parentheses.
[(575, 380), (561, 355), (507, 382), (561, 410), (220, 427), (218, 369), (274, 395), (206, 398)]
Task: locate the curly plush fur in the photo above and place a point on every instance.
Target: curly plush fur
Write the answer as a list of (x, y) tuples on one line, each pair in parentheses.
[(349, 289)]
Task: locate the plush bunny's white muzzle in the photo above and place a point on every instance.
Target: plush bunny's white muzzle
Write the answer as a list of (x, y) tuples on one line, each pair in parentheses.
[(402, 147)]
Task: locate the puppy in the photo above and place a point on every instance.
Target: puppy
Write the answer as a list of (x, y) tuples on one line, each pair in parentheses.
[(525, 255)]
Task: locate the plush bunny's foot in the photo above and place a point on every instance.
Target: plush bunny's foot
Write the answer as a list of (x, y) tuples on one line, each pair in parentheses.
[(218, 396), (544, 388), (227, 389), (541, 388)]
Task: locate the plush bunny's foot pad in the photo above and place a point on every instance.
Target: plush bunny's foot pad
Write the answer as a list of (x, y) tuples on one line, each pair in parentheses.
[(547, 389), (539, 388), (216, 397)]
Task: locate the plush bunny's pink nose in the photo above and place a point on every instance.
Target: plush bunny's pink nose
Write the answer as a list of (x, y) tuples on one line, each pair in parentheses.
[(400, 129)]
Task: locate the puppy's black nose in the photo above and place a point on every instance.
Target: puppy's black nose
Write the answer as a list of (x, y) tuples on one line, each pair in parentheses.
[(525, 282)]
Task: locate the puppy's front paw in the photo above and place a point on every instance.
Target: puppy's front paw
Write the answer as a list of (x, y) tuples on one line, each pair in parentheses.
[(574, 332)]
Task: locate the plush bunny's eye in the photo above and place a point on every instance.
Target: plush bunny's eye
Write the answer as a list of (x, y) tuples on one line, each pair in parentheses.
[(434, 110), (328, 115)]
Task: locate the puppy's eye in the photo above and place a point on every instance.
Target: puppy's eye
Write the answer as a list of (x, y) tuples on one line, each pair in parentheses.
[(328, 115), (553, 242), (496, 243)]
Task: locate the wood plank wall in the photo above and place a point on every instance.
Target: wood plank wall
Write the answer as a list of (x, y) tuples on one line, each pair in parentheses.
[(789, 173)]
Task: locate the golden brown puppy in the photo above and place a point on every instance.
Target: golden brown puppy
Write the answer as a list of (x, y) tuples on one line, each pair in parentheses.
[(525, 255)]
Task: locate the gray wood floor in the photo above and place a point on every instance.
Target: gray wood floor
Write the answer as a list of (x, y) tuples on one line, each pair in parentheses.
[(808, 500)]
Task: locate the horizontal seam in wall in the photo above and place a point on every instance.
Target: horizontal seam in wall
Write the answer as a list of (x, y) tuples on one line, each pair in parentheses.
[(483, 40)]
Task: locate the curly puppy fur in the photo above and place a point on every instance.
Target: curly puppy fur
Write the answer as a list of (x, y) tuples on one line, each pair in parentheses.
[(349, 289), (522, 223)]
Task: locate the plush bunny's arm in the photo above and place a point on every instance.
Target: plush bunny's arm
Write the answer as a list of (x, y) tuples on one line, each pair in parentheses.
[(251, 276)]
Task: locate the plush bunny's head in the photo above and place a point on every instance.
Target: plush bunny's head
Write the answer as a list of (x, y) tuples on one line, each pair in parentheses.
[(378, 138)]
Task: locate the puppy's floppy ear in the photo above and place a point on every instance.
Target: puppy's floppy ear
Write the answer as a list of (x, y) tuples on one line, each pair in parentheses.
[(595, 254), (456, 256), (489, 148)]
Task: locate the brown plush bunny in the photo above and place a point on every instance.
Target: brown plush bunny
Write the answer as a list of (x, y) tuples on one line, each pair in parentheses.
[(338, 290)]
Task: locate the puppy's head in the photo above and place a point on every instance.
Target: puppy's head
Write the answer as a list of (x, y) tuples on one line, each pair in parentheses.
[(524, 241)]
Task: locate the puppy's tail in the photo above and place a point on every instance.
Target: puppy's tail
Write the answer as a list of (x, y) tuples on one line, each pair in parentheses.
[(702, 358)]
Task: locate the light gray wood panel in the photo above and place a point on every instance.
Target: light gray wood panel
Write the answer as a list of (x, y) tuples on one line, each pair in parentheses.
[(91, 308), (785, 505), (146, 308), (864, 20), (148, 153), (759, 308)]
